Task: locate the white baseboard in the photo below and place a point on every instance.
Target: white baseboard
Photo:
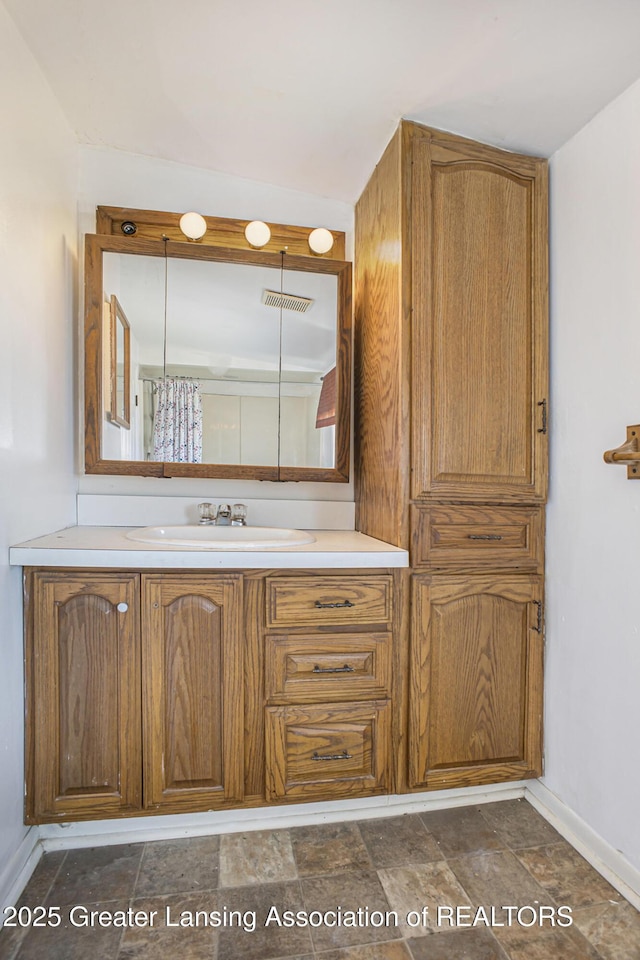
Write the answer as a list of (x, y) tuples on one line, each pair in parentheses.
[(17, 871), (601, 855), (608, 861), (141, 829)]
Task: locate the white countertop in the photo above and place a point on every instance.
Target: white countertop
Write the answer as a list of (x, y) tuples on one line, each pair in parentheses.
[(109, 547)]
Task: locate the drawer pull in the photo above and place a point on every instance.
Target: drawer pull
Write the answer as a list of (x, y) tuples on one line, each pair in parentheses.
[(484, 536), (334, 606), (543, 404), (332, 756), (345, 669)]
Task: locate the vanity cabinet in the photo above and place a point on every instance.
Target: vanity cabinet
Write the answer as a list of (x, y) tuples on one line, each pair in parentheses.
[(134, 693), (180, 691), (451, 418)]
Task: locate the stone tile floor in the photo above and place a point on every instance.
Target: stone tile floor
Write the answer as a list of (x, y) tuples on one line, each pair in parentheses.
[(491, 856)]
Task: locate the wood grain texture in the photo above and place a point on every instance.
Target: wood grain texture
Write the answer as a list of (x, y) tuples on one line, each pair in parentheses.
[(254, 671), (88, 688), (382, 346), (476, 667), (83, 695), (301, 602), (221, 231), (313, 668), (327, 750), (479, 323), (400, 678), (464, 537), (194, 691)]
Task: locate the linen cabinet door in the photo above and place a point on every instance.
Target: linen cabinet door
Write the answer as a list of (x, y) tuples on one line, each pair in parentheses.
[(193, 691), (476, 680), (479, 282), (83, 696)]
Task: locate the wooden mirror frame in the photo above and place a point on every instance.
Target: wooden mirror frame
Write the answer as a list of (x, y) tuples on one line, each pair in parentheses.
[(98, 244)]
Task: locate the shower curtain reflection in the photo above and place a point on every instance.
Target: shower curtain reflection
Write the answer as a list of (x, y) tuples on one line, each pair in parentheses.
[(177, 421)]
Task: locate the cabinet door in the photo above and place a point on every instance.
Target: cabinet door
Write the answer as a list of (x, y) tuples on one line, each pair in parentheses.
[(193, 707), (83, 696), (476, 680), (479, 290)]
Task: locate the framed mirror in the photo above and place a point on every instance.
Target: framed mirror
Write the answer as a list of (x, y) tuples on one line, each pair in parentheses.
[(119, 411), (225, 363)]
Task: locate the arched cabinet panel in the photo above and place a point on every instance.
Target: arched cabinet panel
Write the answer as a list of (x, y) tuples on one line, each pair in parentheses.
[(479, 326), (84, 697), (193, 681), (476, 694)]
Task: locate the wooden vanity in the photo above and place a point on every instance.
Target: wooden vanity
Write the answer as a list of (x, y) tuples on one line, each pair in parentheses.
[(167, 691)]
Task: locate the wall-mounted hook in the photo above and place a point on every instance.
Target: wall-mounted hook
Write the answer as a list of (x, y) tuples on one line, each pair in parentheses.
[(627, 453)]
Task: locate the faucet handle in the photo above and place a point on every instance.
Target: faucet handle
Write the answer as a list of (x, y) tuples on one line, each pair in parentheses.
[(239, 515), (207, 514)]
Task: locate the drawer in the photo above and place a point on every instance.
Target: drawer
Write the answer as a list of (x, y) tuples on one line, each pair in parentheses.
[(326, 601), (327, 750), (301, 669), (444, 537)]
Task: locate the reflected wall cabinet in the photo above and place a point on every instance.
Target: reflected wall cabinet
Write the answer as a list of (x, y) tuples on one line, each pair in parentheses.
[(451, 438)]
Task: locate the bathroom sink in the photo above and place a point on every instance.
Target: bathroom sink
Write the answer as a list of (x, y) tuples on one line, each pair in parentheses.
[(221, 538)]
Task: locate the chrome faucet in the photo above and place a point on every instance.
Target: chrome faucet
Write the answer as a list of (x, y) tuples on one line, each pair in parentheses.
[(223, 515)]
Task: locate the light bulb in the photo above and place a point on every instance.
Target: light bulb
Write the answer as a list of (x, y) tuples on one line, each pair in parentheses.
[(320, 240), (257, 233), (193, 225)]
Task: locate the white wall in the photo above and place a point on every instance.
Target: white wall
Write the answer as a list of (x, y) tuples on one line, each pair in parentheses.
[(115, 178), (37, 283), (593, 546)]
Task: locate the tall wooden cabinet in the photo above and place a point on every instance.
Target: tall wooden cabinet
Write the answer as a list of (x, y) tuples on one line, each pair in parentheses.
[(451, 439)]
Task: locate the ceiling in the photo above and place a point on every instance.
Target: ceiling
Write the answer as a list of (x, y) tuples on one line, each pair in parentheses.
[(306, 93)]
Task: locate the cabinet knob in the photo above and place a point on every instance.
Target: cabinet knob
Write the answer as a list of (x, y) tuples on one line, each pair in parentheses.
[(122, 607)]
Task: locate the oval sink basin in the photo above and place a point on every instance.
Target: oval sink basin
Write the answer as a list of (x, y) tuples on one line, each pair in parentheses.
[(221, 538)]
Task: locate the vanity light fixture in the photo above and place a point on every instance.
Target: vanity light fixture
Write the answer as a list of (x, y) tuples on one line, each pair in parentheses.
[(193, 225), (257, 233), (320, 240)]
